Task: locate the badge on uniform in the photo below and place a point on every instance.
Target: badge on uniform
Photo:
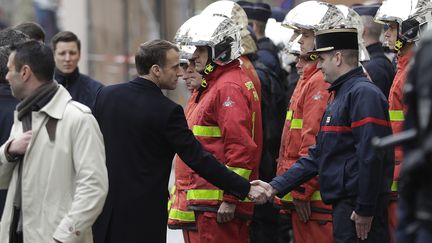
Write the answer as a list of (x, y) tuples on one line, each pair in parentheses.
[(228, 102), (328, 120), (317, 96)]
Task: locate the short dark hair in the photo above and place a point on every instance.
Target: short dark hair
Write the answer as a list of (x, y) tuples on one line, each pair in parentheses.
[(351, 57), (11, 36), (65, 36), (37, 56), (32, 30), (151, 53), (4, 56)]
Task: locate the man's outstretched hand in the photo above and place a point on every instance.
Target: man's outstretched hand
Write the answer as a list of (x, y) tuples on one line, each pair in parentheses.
[(261, 192)]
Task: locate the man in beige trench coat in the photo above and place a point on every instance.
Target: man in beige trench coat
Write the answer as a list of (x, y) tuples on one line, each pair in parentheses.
[(53, 164)]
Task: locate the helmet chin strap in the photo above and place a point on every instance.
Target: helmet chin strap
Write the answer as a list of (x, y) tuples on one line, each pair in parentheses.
[(399, 44), (210, 67)]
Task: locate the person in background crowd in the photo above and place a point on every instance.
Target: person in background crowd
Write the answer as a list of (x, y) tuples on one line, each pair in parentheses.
[(33, 30), (258, 14), (379, 68), (67, 53), (46, 16), (8, 103)]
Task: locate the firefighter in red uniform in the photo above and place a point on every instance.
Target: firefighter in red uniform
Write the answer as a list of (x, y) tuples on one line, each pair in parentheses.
[(402, 21), (227, 122), (311, 219), (179, 216)]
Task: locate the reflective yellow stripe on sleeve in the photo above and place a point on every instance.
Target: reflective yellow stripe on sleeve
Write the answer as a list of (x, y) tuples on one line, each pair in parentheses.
[(206, 131), (287, 198), (316, 196), (289, 115), (203, 194), (297, 124), (394, 186), (175, 214), (207, 194), (396, 115), (245, 173)]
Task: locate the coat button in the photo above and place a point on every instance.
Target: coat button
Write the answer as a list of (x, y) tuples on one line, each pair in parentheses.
[(78, 233), (71, 229)]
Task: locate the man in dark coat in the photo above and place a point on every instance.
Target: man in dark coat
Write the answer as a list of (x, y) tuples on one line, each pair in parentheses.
[(379, 68), (258, 14), (7, 107), (353, 176), (67, 49), (143, 130)]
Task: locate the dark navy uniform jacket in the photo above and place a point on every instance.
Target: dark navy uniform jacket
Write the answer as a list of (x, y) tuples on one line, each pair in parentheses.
[(347, 164), (81, 87), (380, 68)]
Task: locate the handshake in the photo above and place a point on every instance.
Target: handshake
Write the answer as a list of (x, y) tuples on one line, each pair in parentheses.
[(261, 192)]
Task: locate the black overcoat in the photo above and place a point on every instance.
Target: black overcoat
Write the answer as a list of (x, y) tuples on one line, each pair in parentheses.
[(143, 130), (7, 107)]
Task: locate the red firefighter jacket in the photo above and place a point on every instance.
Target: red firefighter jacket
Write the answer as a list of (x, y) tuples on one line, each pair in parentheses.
[(306, 113), (397, 108), (179, 216), (227, 122)]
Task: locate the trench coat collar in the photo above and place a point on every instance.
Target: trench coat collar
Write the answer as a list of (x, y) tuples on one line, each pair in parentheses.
[(57, 105)]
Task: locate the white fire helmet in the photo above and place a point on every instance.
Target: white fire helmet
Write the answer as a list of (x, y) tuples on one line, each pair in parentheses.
[(218, 33), (235, 12), (410, 15), (186, 51), (313, 15)]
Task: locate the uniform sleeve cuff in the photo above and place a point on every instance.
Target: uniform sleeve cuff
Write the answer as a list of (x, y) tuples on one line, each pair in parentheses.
[(276, 185), (230, 199)]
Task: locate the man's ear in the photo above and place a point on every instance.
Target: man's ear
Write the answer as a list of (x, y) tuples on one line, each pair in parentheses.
[(156, 70), (338, 57), (26, 72)]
